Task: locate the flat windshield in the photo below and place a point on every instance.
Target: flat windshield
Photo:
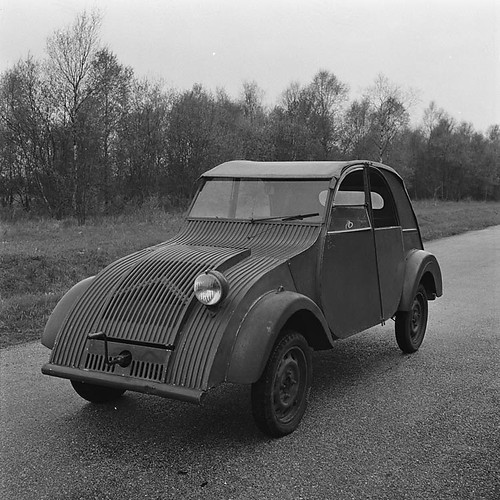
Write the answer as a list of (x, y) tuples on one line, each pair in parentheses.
[(253, 199)]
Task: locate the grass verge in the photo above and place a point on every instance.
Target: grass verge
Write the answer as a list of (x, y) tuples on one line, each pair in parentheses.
[(448, 218), (40, 260)]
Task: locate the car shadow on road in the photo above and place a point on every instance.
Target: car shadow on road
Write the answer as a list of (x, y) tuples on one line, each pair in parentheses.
[(356, 360)]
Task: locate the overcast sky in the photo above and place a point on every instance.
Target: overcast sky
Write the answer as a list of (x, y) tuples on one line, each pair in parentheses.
[(448, 50)]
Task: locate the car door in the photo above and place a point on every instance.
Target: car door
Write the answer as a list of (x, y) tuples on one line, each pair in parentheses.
[(349, 288), (389, 242)]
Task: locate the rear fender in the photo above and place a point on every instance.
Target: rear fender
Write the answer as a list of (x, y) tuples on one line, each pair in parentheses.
[(421, 267), (261, 327), (61, 310)]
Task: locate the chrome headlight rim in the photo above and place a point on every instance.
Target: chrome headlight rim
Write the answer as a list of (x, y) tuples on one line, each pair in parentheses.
[(211, 287)]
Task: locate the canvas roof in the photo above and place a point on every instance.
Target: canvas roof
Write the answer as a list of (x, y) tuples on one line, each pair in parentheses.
[(285, 169)]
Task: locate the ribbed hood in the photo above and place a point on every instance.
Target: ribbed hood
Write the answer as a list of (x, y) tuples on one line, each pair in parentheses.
[(144, 297)]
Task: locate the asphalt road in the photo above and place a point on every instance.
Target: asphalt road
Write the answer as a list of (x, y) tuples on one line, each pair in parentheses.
[(380, 424)]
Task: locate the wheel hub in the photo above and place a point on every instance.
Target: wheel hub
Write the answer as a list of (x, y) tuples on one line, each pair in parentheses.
[(416, 317), (287, 386)]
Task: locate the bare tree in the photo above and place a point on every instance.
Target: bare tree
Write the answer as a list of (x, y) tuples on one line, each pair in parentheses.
[(389, 106), (71, 54), (25, 121), (432, 116), (252, 127), (307, 122), (327, 95), (290, 128), (251, 100), (356, 130), (291, 98), (110, 104), (144, 141), (492, 163)]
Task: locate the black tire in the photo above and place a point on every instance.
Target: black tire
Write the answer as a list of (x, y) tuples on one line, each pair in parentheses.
[(96, 393), (279, 397), (411, 325)]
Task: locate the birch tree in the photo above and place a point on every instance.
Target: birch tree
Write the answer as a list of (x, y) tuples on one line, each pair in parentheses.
[(389, 113), (71, 54)]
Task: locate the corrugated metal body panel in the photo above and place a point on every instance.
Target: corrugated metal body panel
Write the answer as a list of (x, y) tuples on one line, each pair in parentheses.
[(270, 244), (81, 319), (203, 332), (142, 301), (137, 309), (147, 297), (275, 240)]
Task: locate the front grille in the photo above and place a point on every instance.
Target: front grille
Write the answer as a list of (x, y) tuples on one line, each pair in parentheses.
[(138, 369), (95, 362), (147, 371)]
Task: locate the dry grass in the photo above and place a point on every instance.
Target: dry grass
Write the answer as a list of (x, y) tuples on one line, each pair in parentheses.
[(447, 218), (40, 260)]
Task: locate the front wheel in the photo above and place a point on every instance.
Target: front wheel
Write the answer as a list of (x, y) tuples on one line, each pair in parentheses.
[(279, 397), (96, 393), (411, 325)]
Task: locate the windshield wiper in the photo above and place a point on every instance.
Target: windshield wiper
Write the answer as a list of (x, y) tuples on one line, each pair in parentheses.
[(285, 217)]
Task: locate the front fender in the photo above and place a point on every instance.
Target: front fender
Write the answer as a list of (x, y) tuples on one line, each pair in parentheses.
[(61, 310), (421, 266), (261, 326)]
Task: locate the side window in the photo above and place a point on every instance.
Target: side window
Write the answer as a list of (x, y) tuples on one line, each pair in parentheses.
[(384, 208), (403, 205), (349, 211)]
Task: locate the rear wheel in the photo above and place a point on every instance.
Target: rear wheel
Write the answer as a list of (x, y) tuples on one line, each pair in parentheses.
[(96, 393), (411, 325), (279, 397)]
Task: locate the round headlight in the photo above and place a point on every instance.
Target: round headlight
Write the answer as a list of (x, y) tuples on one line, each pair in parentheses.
[(211, 287)]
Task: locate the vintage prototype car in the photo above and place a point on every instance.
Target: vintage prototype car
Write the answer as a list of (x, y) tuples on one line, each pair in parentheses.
[(275, 260)]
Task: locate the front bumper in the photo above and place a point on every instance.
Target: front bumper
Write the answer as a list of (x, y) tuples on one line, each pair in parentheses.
[(127, 383)]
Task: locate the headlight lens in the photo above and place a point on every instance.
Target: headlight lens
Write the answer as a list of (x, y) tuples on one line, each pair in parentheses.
[(211, 287)]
